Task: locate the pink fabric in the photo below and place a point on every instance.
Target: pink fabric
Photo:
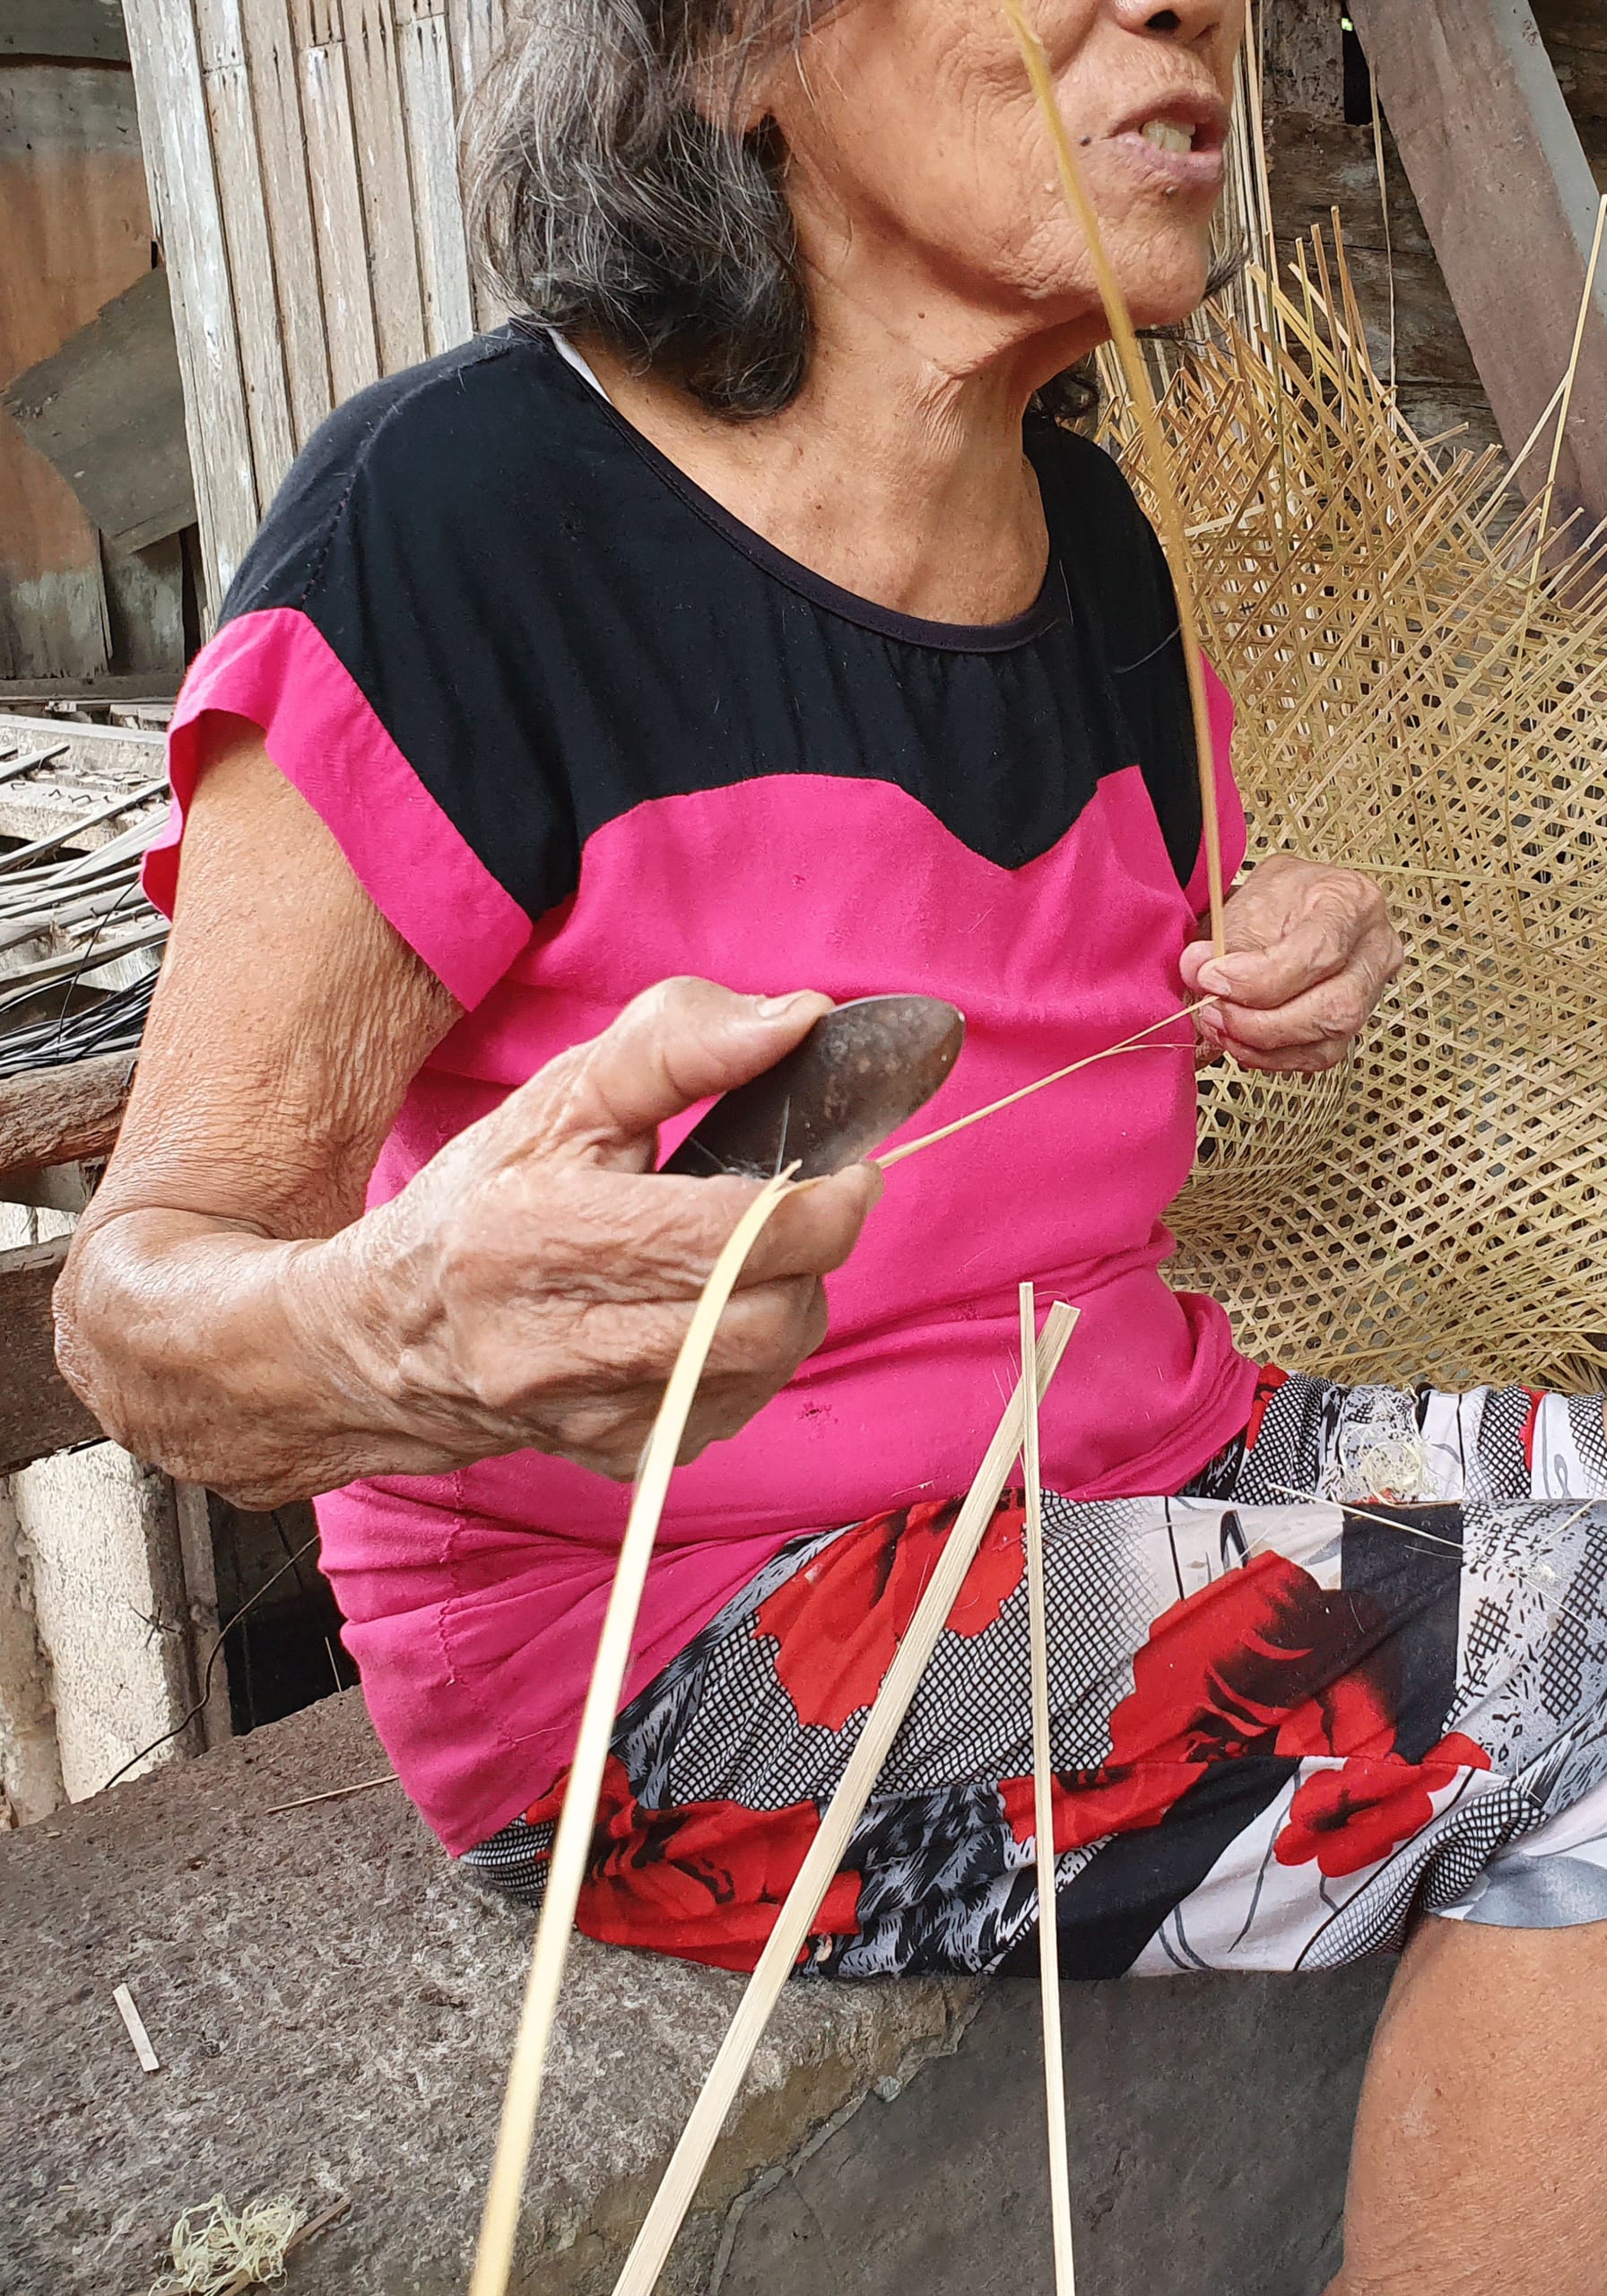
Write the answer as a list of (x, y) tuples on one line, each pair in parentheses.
[(474, 1600), (277, 670)]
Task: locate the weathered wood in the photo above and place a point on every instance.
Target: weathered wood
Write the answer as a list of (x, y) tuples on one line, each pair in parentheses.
[(220, 34), (184, 199), (288, 209), (1303, 57), (62, 1116), (343, 256), (75, 231), (107, 410), (82, 32), (378, 125), (1510, 203), (39, 1412), (38, 693), (433, 135)]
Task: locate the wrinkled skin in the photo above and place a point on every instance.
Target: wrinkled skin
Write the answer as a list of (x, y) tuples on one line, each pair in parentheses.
[(230, 1312)]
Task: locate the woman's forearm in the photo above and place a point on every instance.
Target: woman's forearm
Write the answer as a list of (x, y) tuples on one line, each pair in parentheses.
[(529, 1289), (230, 1359)]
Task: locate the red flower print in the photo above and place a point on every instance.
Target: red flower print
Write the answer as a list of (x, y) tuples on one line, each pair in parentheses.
[(1264, 1652), (1262, 1660), (702, 1880), (1351, 1818), (837, 1623)]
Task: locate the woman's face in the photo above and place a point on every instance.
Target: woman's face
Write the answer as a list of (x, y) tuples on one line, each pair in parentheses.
[(915, 140)]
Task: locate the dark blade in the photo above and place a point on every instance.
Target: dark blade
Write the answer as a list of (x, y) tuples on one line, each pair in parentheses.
[(860, 1073)]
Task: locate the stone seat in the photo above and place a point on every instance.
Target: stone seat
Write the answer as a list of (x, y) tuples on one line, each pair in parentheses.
[(334, 2005)]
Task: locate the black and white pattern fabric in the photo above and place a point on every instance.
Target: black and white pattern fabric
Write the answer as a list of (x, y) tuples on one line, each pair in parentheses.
[(1355, 1673)]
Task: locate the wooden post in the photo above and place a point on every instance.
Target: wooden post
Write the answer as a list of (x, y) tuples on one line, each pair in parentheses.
[(1510, 203), (39, 1412)]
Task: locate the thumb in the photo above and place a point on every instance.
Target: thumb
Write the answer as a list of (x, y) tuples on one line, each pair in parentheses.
[(682, 1042)]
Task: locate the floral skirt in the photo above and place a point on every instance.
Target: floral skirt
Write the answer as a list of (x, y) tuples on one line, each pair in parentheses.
[(1357, 1672)]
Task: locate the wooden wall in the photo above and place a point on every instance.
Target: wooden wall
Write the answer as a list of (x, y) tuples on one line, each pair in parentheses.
[(303, 158), (1319, 161), (75, 231)]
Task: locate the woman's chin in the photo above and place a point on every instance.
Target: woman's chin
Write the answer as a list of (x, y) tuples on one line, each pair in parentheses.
[(1166, 294)]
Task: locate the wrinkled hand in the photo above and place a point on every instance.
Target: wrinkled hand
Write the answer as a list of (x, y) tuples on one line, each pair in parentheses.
[(1309, 951), (542, 1275)]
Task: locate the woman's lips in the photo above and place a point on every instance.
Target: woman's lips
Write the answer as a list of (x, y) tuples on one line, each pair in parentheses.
[(1168, 153)]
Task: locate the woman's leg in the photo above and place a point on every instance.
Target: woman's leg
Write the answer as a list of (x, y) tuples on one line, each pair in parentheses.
[(1478, 2163)]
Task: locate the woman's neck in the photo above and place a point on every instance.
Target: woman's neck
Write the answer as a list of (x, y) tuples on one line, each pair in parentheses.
[(897, 472)]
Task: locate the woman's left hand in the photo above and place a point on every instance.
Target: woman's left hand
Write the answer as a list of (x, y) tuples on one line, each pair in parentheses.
[(1309, 951)]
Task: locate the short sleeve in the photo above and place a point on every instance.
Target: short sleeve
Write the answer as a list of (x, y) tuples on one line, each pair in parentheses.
[(339, 641)]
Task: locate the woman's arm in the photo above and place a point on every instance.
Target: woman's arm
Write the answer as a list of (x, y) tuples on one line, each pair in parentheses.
[(228, 1313)]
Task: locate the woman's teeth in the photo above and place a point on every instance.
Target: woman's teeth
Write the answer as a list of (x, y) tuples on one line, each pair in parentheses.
[(1167, 135)]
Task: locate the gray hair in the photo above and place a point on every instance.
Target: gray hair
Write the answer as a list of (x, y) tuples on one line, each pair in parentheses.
[(612, 190)]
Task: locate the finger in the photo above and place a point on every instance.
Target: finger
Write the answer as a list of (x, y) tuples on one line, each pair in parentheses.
[(1297, 1060), (615, 1349), (1311, 948), (682, 1042), (554, 1230), (1338, 1009)]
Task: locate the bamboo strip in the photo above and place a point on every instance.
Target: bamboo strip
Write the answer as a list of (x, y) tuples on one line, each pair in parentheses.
[(1043, 1814), (1056, 1076), (777, 1962), (571, 1844), (1173, 525)]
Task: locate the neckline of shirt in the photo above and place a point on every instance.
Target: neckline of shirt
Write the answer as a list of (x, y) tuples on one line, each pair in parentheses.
[(1050, 607)]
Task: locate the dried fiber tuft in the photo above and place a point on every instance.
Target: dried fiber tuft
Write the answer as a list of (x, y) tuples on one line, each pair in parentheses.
[(214, 2250)]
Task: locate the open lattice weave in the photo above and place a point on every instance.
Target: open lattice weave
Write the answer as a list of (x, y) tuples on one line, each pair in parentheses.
[(1414, 700)]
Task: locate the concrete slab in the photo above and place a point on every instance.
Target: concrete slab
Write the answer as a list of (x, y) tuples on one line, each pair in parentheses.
[(333, 2005), (1209, 2123)]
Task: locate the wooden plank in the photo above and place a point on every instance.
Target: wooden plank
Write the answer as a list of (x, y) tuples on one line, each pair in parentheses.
[(75, 231), (1303, 57), (337, 206), (38, 693), (475, 30), (238, 163), (378, 124), (82, 32), (62, 1116), (39, 1412), (107, 410), (426, 65), (184, 198), (272, 64), (1510, 203)]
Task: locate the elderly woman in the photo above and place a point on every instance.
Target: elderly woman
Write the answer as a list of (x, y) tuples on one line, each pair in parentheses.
[(737, 630)]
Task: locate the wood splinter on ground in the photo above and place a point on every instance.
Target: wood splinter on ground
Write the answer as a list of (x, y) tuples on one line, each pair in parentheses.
[(149, 2060)]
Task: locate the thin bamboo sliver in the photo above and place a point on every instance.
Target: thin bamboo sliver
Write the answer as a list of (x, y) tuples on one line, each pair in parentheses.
[(776, 1963), (1173, 526), (1043, 1813)]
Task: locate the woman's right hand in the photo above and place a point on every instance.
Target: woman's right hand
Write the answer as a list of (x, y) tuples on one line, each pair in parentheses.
[(531, 1285), (230, 1312)]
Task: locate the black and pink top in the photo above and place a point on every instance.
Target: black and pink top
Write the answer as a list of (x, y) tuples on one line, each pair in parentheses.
[(578, 730)]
